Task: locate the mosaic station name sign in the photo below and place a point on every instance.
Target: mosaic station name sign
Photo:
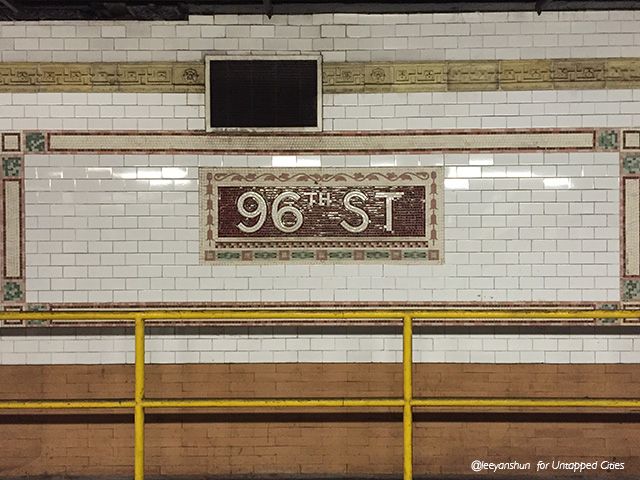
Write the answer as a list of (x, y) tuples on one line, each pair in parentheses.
[(335, 215)]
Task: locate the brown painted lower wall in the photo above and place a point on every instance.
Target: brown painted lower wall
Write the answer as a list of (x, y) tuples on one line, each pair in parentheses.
[(302, 443)]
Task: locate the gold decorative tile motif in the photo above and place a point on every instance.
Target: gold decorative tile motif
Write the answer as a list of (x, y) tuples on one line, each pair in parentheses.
[(102, 77), (472, 76), (343, 77), (384, 77), (310, 215), (483, 75), (526, 75), (623, 73), (579, 74), (71, 142)]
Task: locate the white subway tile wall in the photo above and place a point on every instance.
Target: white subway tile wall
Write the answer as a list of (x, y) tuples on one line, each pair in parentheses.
[(519, 227), (373, 111), (339, 37), (266, 344), (124, 228)]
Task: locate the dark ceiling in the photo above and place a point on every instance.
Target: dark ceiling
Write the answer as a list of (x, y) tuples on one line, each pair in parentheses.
[(180, 9)]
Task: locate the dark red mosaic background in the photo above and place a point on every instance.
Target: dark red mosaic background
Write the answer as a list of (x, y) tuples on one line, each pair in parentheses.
[(324, 221)]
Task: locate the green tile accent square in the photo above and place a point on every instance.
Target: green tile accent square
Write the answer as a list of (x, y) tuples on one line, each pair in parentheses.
[(228, 255), (415, 254), (12, 292), (341, 254), (35, 142), (269, 255), (630, 290), (36, 307), (609, 306), (609, 139), (631, 163), (33, 323), (377, 254), (302, 254), (11, 166)]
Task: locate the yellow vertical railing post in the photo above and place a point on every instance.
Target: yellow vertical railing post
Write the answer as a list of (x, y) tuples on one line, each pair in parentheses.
[(407, 381), (139, 399)]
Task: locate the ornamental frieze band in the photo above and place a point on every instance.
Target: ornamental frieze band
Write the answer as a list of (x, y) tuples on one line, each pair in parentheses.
[(102, 77), (428, 76)]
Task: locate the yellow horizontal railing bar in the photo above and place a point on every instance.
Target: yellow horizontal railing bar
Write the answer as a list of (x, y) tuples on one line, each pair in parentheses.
[(275, 403), (64, 404), (526, 402), (323, 402), (169, 315), (525, 314)]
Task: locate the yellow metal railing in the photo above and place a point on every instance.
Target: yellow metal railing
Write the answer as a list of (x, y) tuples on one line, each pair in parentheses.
[(407, 402)]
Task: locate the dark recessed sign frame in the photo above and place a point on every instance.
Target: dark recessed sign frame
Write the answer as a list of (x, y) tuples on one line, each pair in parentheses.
[(214, 124)]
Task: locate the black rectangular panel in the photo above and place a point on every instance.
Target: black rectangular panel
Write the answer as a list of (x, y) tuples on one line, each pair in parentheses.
[(263, 93)]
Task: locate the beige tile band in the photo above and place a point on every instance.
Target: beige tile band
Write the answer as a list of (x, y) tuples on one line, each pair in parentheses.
[(437, 76), (12, 229), (320, 143), (632, 226)]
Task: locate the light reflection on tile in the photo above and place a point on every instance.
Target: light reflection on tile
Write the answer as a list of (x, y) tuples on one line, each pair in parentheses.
[(434, 160), (383, 161), (456, 184), (281, 161), (45, 172), (546, 171), (186, 184), (155, 183), (174, 172), (407, 160), (357, 160), (518, 171), (494, 172), (480, 159), (125, 173), (98, 172), (309, 162), (149, 173), (469, 172), (558, 183), (135, 184)]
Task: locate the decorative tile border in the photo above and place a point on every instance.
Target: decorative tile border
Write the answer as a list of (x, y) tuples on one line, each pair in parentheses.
[(630, 217), (12, 258), (481, 75), (102, 77), (11, 143), (396, 217), (605, 139), (631, 140), (631, 207), (316, 143), (169, 306), (608, 139)]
